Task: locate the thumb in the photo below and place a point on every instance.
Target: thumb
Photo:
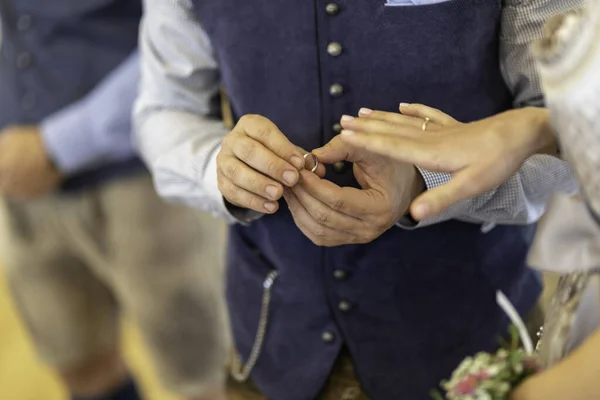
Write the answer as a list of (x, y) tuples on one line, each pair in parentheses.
[(463, 186), (334, 151)]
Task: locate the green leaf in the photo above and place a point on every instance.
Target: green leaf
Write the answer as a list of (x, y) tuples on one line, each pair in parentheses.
[(435, 395), (514, 336)]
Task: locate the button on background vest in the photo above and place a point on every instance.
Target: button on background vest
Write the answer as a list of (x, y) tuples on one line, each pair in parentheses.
[(334, 49), (340, 274), (332, 9), (336, 90), (337, 128), (339, 167), (344, 306), (24, 22), (328, 337), (23, 60), (28, 101)]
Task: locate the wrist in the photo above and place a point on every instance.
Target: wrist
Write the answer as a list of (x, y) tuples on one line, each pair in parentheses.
[(539, 136)]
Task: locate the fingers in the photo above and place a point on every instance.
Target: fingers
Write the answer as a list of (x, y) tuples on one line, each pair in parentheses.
[(345, 200), (418, 151), (318, 234), (263, 160), (421, 111), (333, 151), (324, 214), (392, 118), (246, 178), (266, 132), (309, 164), (241, 197), (410, 128)]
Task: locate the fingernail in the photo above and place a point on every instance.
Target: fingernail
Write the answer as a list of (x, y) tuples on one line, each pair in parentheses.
[(290, 177), (421, 210), (402, 105), (346, 132), (297, 162), (347, 118), (365, 111), (272, 191), (270, 206)]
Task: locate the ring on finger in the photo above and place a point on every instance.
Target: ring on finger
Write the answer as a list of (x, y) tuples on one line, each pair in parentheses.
[(315, 160), (425, 123)]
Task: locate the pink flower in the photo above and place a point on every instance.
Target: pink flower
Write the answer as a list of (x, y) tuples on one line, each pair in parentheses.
[(483, 375), (466, 386)]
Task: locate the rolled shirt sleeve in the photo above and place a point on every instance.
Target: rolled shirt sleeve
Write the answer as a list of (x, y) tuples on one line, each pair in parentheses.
[(97, 129)]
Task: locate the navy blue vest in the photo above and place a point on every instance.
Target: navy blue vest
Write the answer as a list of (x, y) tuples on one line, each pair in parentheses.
[(410, 305), (54, 52)]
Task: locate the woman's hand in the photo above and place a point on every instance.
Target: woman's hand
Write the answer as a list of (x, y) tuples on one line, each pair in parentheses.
[(480, 155)]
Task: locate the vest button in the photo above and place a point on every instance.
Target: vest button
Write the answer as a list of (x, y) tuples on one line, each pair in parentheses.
[(23, 60), (339, 167), (328, 337), (337, 128), (334, 49), (344, 306), (340, 274), (24, 22), (336, 90), (332, 9), (28, 101)]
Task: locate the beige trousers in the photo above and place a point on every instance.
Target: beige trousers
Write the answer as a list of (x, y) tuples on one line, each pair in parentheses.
[(74, 263)]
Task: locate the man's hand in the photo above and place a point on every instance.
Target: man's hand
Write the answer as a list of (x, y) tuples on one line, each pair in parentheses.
[(25, 169), (256, 161), (481, 155), (330, 215)]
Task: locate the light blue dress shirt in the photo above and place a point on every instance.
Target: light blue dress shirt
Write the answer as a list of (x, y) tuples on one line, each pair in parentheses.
[(96, 129)]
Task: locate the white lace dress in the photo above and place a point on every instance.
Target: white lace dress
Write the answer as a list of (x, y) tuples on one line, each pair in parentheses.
[(568, 240)]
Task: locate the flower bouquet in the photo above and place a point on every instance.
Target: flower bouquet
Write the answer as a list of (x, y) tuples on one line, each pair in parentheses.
[(493, 376)]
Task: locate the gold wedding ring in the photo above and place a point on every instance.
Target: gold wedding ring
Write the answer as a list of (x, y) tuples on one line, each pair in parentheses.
[(424, 126), (315, 160)]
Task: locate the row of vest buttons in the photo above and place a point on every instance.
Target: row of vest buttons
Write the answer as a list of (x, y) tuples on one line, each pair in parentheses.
[(340, 275), (24, 61), (334, 49), (343, 306)]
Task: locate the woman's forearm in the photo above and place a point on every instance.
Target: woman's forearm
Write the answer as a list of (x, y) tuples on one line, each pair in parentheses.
[(575, 378)]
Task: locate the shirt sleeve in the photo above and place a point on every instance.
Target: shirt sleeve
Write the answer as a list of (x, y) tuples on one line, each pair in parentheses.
[(177, 116), (97, 129), (523, 198)]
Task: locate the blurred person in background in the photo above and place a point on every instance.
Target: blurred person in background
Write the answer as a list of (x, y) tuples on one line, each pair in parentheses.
[(334, 290), (84, 236)]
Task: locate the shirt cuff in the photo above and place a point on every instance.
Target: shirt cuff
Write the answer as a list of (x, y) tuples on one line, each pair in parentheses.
[(231, 213), (69, 140)]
